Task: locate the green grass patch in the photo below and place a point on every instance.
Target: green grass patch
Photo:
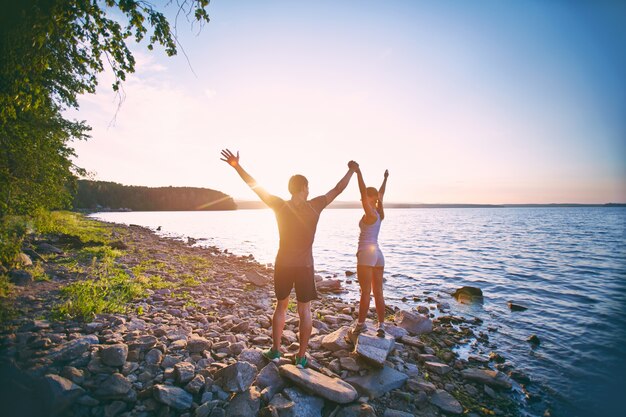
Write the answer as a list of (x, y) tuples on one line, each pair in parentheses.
[(292, 306), (38, 272), (98, 252), (72, 224)]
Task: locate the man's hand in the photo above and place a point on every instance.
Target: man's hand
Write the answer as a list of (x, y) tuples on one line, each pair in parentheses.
[(353, 166), (386, 173), (230, 158)]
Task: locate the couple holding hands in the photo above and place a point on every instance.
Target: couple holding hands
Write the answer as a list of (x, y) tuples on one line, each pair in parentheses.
[(297, 220)]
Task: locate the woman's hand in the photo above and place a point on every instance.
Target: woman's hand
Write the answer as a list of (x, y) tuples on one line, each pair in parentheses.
[(386, 173)]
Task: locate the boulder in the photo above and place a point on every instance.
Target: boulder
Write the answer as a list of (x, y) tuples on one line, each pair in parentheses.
[(114, 387), (253, 356), (493, 378), (20, 277), (23, 259), (72, 349), (198, 345), (244, 404), (237, 377), (144, 343), (270, 381), (184, 372), (282, 406), (153, 357), (446, 402), (395, 331), (468, 295), (414, 323), (329, 285), (257, 279), (374, 349), (174, 397), (304, 405), (378, 382), (46, 248), (114, 355), (337, 340), (332, 389), (437, 368), (63, 393)]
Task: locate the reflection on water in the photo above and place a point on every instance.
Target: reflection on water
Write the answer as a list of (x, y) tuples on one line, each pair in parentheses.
[(567, 265)]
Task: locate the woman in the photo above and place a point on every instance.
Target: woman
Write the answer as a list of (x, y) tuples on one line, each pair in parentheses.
[(370, 260)]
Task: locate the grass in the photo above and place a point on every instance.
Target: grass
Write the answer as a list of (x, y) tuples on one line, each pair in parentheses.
[(72, 224), (38, 273), (292, 306)]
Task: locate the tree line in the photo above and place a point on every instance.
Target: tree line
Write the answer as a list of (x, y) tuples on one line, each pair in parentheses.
[(94, 195)]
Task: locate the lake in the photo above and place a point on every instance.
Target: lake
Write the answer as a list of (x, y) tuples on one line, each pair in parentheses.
[(567, 265)]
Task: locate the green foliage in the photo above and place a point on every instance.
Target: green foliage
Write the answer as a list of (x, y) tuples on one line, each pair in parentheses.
[(91, 194), (107, 290), (12, 232), (51, 51), (71, 224)]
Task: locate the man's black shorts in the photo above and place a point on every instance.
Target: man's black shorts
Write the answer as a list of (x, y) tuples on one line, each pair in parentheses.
[(302, 277)]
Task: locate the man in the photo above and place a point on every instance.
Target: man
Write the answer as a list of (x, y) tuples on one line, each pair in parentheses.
[(297, 221)]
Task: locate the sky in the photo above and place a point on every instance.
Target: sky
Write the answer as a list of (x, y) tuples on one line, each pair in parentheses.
[(463, 102)]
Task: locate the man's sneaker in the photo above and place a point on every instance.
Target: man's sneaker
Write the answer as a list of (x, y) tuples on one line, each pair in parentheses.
[(272, 355), (300, 362)]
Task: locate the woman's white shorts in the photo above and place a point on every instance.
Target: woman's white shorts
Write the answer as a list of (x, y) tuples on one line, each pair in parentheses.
[(372, 256)]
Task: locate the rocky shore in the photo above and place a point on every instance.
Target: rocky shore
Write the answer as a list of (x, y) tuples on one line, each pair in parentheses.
[(192, 347)]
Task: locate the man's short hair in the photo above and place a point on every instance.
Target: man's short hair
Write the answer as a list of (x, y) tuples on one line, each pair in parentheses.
[(297, 183)]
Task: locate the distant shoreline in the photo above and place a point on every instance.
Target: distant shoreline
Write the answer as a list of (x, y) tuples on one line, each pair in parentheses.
[(249, 205)]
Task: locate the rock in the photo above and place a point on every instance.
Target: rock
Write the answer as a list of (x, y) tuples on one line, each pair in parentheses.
[(329, 285), (244, 404), (23, 259), (114, 409), (395, 331), (195, 385), (437, 368), (63, 393), (72, 349), (350, 273), (270, 381), (174, 397), (282, 406), (357, 410), (414, 323), (136, 324), (412, 341), (118, 244), (332, 389), (390, 412), (304, 405), (254, 356), (153, 357), (114, 355), (237, 377), (516, 307), (519, 376), (184, 372), (495, 379), (241, 327), (115, 387), (446, 402), (198, 345), (20, 277), (46, 248), (417, 386), (349, 363), (142, 343), (169, 361), (337, 340), (534, 339), (378, 382), (374, 349), (468, 294), (257, 279)]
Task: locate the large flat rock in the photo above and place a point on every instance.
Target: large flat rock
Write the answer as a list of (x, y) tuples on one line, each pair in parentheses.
[(332, 389), (378, 382), (374, 349), (493, 378), (446, 402), (413, 322)]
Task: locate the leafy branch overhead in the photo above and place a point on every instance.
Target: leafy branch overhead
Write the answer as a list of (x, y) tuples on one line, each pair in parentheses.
[(51, 52)]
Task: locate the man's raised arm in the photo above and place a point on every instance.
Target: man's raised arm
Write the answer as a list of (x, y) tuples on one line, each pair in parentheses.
[(342, 184), (233, 160)]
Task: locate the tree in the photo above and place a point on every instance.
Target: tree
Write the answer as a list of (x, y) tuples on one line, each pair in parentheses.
[(51, 51)]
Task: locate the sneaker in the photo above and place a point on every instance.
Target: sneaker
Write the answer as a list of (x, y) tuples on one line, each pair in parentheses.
[(300, 362), (272, 355), (355, 330), (380, 332)]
